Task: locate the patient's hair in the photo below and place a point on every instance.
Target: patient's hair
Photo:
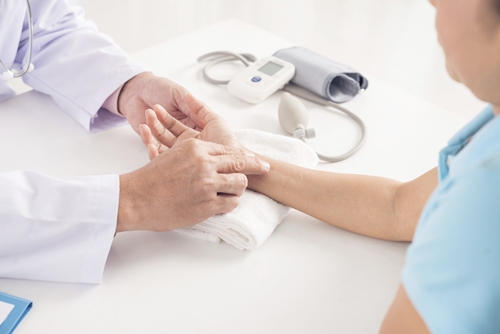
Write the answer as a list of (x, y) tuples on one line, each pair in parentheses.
[(492, 17), (496, 5)]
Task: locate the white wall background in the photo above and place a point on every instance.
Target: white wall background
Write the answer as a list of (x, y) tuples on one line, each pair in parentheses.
[(393, 40)]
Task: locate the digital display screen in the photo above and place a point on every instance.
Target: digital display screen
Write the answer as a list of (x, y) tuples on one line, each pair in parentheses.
[(270, 68)]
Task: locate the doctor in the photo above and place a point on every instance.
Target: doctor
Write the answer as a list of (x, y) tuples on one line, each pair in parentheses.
[(62, 230)]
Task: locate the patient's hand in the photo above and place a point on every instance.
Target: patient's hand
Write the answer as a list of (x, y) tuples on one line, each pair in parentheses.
[(162, 131)]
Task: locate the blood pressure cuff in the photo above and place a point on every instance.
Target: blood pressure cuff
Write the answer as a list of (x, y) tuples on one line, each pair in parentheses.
[(322, 76)]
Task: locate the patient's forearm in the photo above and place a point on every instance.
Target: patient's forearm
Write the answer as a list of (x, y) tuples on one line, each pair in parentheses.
[(362, 204)]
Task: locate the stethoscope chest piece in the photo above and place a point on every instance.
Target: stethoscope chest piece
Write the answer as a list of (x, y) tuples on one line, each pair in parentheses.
[(11, 74)]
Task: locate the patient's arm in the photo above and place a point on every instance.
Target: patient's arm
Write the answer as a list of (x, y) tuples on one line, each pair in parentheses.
[(373, 206), (369, 205), (402, 317)]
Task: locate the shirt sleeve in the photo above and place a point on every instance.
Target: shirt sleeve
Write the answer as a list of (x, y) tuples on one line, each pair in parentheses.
[(452, 270), (74, 63), (56, 230), (111, 103)]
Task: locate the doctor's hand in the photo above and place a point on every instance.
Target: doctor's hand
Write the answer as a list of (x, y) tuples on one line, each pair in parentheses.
[(145, 90), (191, 182), (162, 131)]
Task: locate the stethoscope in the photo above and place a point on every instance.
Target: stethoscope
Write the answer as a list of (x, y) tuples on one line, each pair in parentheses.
[(11, 74)]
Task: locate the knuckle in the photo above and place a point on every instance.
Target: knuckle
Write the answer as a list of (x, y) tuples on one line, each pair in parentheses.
[(172, 142), (204, 165), (237, 164), (208, 185), (158, 128), (256, 162), (219, 149), (194, 148), (242, 182), (191, 144), (171, 124), (211, 197), (205, 180)]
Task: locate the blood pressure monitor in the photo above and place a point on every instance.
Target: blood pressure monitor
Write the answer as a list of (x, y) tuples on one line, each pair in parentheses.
[(261, 79)]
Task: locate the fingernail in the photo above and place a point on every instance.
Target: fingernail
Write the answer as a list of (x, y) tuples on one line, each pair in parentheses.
[(266, 165), (250, 154)]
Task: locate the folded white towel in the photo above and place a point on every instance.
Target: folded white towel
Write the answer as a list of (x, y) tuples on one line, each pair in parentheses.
[(253, 221)]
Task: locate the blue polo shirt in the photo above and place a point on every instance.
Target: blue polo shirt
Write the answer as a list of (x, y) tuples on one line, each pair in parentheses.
[(452, 269)]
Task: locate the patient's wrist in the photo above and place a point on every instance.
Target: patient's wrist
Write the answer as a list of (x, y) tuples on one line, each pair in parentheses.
[(257, 182)]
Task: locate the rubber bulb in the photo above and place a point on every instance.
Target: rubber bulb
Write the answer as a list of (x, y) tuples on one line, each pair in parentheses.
[(292, 113)]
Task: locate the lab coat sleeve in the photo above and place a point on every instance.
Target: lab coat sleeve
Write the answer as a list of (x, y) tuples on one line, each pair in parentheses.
[(74, 63), (56, 230)]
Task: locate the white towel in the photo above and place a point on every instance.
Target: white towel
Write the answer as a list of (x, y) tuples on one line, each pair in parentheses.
[(253, 221)]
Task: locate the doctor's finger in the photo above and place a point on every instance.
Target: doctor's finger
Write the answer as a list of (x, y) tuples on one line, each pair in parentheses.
[(226, 203), (232, 184), (153, 151), (148, 140), (249, 165), (201, 109), (215, 149), (158, 131), (169, 122)]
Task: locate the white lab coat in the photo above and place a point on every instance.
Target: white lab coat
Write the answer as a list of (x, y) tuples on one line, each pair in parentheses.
[(53, 229)]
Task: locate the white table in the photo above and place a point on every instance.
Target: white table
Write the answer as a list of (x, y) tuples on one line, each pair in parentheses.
[(309, 277)]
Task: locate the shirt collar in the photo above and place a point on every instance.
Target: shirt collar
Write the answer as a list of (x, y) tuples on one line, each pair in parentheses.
[(459, 140), (472, 127)]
